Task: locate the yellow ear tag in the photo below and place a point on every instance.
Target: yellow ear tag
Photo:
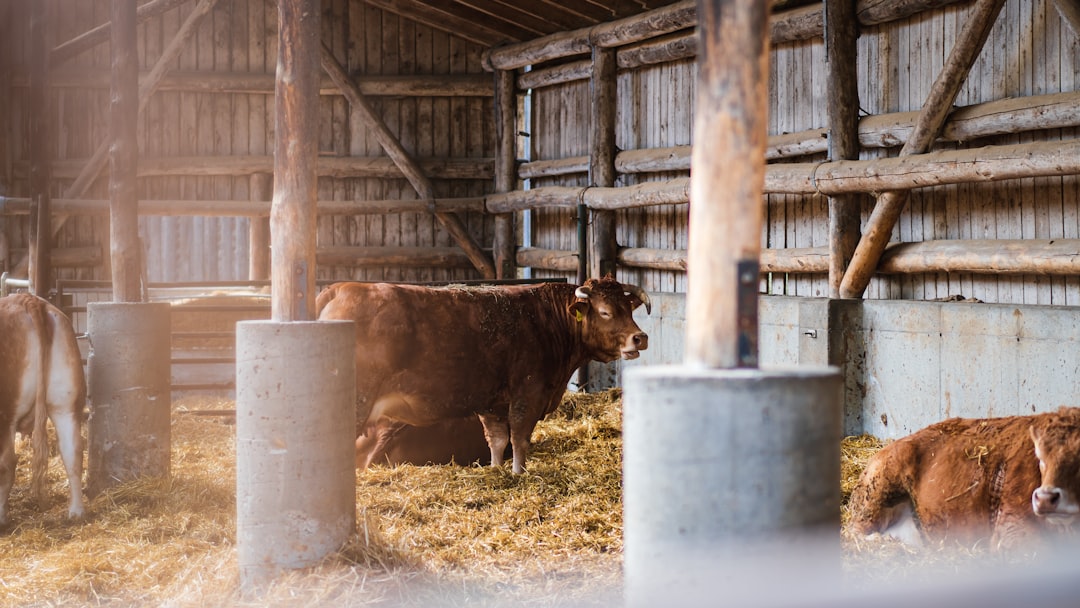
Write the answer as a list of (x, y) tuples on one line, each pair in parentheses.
[(577, 313)]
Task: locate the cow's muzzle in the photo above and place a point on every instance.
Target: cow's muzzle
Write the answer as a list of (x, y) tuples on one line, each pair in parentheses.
[(1054, 503), (635, 343)]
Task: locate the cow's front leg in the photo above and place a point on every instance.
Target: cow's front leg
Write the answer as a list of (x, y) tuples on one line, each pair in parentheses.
[(497, 433), (521, 429)]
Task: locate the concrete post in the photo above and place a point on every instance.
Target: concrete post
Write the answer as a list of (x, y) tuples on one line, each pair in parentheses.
[(128, 433), (295, 442), (717, 461)]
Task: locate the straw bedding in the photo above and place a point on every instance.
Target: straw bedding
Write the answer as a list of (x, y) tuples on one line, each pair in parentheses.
[(436, 535)]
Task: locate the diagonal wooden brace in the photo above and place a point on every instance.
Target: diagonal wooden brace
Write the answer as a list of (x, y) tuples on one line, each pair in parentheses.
[(938, 105), (404, 162)]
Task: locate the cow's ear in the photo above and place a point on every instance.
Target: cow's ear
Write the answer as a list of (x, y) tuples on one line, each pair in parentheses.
[(579, 309)]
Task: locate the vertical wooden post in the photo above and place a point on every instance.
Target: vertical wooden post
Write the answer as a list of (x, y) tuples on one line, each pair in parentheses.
[(727, 182), (603, 248), (40, 269), (505, 171), (123, 155), (261, 187), (842, 91), (292, 212)]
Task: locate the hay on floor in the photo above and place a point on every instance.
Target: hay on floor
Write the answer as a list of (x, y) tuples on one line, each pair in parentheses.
[(434, 535)]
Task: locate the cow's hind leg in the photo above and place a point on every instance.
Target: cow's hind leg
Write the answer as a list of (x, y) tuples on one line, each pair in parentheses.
[(497, 433), (71, 453), (7, 472), (880, 502)]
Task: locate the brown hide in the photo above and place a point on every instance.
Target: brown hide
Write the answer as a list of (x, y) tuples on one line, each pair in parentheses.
[(425, 355), (970, 480), (457, 441), (41, 375)]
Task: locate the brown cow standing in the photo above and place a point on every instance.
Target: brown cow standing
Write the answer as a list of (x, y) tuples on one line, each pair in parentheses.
[(426, 355), (41, 375), (1008, 479)]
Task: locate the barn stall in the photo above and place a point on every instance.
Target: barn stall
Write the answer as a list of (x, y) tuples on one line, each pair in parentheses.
[(461, 142)]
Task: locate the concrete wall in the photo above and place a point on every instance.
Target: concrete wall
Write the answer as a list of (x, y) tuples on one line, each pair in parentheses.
[(908, 364)]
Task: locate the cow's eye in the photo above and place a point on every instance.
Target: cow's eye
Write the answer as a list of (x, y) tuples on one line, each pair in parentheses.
[(605, 314)]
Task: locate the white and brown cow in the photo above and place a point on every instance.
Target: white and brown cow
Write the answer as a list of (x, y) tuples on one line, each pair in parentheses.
[(426, 356), (1008, 480), (41, 375)]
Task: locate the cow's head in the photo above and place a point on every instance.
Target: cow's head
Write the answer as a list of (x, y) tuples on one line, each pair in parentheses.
[(1057, 446), (604, 311)]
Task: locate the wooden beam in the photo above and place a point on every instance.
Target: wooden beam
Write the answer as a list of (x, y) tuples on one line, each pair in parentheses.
[(986, 164), (261, 188), (39, 270), (249, 208), (404, 162), (603, 247), (842, 101), (931, 119), (673, 17), (966, 123), (97, 162), (727, 175), (326, 166), (505, 170), (1070, 14), (418, 85), (801, 23), (99, 34), (125, 248), (1058, 257), (296, 150), (547, 259)]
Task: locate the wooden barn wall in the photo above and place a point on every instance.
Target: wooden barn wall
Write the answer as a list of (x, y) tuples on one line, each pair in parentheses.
[(1030, 51), (241, 36)]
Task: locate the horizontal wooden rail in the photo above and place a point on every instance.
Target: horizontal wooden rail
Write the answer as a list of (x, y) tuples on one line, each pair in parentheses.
[(801, 23), (328, 166), (450, 85), (1002, 117), (229, 208), (986, 164), (977, 256)]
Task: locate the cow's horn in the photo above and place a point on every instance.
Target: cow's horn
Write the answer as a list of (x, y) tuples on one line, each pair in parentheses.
[(640, 294), (583, 292)]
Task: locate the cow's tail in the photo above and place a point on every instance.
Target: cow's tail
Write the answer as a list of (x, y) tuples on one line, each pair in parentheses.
[(324, 298), (40, 438)]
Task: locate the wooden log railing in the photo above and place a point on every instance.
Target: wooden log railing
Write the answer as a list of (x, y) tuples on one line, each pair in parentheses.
[(1006, 116), (423, 85), (327, 166), (792, 25), (977, 256)]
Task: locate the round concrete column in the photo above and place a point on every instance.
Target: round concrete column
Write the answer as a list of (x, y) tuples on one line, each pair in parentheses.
[(128, 433), (718, 463), (295, 443)]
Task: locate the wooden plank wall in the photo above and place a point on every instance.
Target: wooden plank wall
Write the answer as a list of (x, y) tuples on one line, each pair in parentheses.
[(1030, 51), (241, 36)]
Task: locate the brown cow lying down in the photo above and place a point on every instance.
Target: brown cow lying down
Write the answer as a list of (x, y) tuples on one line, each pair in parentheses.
[(41, 375), (1009, 480), (425, 354), (457, 441)]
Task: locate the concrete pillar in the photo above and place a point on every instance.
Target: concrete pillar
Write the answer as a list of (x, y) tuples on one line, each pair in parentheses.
[(128, 433), (295, 442), (718, 461)]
